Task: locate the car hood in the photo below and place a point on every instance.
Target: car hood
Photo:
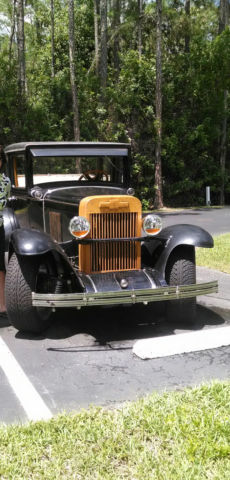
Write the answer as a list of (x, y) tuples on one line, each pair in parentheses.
[(75, 194)]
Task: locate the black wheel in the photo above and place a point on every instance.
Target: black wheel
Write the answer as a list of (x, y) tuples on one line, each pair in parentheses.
[(181, 270), (26, 275)]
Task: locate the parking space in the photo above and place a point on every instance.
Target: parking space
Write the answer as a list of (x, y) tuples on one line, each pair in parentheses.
[(11, 410), (86, 357), (79, 362)]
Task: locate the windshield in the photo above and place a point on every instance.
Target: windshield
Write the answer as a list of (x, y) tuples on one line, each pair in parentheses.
[(81, 169)]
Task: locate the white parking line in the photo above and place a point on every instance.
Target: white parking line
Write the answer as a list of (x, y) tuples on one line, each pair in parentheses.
[(29, 398), (182, 343)]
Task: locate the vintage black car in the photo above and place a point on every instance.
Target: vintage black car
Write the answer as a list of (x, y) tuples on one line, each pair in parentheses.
[(76, 237)]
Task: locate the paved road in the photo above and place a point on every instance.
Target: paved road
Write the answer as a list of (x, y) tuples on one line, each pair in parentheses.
[(214, 220), (87, 358)]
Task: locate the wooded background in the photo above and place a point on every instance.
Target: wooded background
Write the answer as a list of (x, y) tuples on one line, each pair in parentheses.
[(155, 74)]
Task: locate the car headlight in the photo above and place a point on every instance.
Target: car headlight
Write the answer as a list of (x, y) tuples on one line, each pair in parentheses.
[(130, 191), (152, 224), (79, 227)]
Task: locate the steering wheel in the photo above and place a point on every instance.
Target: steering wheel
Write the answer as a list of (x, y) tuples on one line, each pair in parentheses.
[(91, 175)]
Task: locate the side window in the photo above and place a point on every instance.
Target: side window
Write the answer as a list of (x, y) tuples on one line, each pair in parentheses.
[(18, 171)]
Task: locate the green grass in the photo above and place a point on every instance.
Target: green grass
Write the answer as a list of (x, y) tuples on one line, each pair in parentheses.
[(173, 436), (217, 257)]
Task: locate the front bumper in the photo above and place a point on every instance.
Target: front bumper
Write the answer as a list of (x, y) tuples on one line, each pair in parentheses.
[(145, 296)]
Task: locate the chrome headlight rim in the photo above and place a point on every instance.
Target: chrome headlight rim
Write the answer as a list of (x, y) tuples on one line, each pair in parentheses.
[(152, 225), (79, 225), (131, 191)]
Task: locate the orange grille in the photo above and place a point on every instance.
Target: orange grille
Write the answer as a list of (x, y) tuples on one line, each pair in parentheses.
[(111, 217), (112, 256)]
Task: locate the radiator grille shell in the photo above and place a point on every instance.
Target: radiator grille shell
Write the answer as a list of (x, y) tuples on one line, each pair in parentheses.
[(111, 217)]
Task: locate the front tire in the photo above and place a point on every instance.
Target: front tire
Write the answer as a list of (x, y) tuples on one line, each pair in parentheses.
[(22, 277), (181, 270)]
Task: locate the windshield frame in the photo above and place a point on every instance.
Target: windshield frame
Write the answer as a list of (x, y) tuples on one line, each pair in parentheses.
[(89, 151)]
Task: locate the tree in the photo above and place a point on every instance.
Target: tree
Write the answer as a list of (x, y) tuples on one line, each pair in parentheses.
[(223, 15), (103, 53), (140, 8), (52, 38), (21, 50), (76, 127), (158, 202), (116, 40), (223, 22), (96, 34), (12, 32), (187, 34), (195, 65)]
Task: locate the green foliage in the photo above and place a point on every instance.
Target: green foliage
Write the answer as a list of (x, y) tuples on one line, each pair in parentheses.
[(8, 96), (193, 90)]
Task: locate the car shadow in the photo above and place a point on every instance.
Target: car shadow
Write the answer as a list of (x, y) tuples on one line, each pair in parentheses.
[(4, 322), (117, 328)]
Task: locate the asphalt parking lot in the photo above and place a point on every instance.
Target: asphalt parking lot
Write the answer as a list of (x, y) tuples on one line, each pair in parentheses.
[(86, 358), (214, 220)]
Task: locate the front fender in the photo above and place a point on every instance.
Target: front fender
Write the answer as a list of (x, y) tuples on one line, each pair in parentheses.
[(173, 236), (32, 242), (10, 224), (185, 234), (27, 242)]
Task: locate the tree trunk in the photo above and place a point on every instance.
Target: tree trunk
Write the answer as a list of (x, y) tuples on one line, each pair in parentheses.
[(116, 41), (187, 35), (12, 32), (223, 22), (158, 202), (76, 128), (52, 38), (96, 34), (223, 148), (103, 56), (140, 8), (21, 51), (223, 15)]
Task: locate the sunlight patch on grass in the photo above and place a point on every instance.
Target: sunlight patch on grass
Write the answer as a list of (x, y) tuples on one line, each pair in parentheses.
[(218, 257)]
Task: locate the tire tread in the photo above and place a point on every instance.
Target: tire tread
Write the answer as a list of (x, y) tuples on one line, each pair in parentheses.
[(181, 270), (20, 282)]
